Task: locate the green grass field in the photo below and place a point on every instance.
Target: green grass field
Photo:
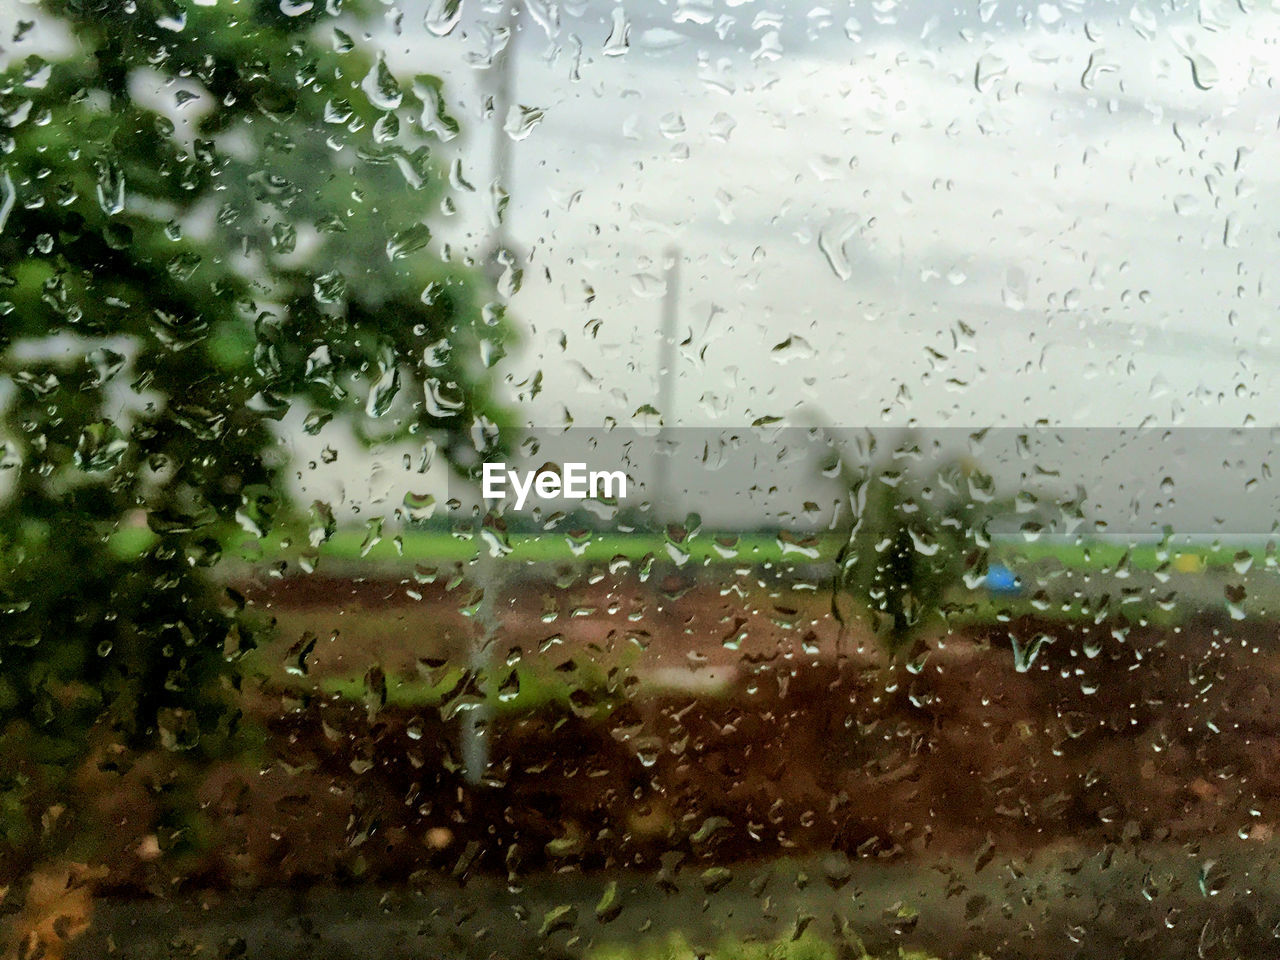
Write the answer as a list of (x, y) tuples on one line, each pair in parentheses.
[(437, 546), (708, 548), (1112, 556)]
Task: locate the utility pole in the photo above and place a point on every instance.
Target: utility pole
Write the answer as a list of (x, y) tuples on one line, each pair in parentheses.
[(666, 386), (476, 722)]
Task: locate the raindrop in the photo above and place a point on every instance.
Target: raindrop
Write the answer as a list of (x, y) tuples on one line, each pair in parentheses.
[(563, 917), (110, 187), (106, 364), (296, 658), (509, 689), (671, 126), (494, 534), (791, 349), (437, 399), (329, 288), (323, 523), (647, 286), (372, 536), (101, 447), (989, 68), (442, 16), (381, 87), (1212, 878), (546, 14), (610, 905), (7, 197), (715, 879), (1025, 654), (1204, 72), (722, 126), (833, 236), (418, 506), (1097, 65), (386, 387), (1235, 596), (386, 129), (521, 120), (408, 241), (435, 117), (923, 542), (619, 39), (647, 420)]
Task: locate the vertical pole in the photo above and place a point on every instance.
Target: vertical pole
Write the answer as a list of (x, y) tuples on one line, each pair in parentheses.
[(476, 722), (666, 386), (500, 148)]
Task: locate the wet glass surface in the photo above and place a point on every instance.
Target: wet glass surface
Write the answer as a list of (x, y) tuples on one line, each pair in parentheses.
[(637, 480)]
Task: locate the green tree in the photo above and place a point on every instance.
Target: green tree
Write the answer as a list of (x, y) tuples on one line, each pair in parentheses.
[(915, 526), (208, 215)]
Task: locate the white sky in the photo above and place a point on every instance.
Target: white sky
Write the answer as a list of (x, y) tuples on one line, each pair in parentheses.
[(1111, 248)]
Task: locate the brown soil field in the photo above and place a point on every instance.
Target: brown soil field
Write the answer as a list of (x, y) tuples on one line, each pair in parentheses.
[(736, 725)]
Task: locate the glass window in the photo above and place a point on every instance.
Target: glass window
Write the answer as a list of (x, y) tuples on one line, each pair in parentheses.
[(637, 479)]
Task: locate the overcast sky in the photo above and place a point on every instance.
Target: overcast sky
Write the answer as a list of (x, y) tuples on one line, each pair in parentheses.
[(1000, 214), (1004, 214)]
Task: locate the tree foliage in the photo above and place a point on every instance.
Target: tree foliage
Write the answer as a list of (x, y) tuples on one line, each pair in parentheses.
[(209, 216), (917, 524)]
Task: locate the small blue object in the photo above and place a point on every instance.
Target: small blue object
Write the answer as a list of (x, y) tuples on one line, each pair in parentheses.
[(1000, 579)]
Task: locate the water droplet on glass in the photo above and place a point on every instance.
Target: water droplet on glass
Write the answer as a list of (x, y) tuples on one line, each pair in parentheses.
[(7, 197), (110, 187), (989, 68), (329, 288), (442, 16), (619, 39), (381, 87), (385, 388), (101, 447), (1204, 72), (521, 120), (418, 506), (722, 126), (408, 241), (1025, 653), (832, 238)]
